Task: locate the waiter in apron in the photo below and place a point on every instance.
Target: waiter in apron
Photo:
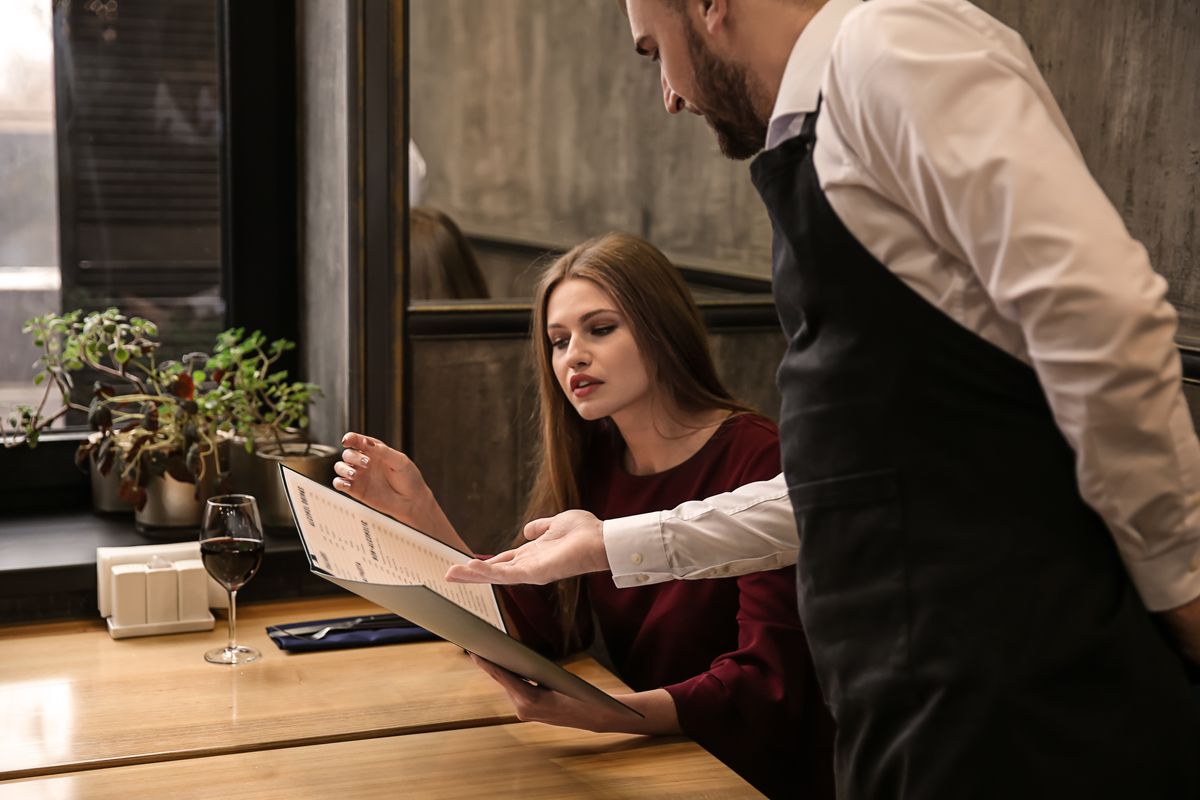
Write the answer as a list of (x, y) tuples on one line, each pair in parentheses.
[(993, 473)]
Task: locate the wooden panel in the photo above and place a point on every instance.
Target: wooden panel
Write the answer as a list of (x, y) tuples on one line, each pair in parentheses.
[(74, 698), (746, 362), (473, 407), (527, 760)]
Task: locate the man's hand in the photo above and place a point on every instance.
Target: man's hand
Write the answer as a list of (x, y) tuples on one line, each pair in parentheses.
[(1185, 624), (571, 543)]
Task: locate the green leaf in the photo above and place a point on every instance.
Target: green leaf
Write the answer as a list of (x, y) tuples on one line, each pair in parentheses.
[(39, 378)]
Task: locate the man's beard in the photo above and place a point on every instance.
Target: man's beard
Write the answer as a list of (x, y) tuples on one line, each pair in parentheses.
[(725, 100)]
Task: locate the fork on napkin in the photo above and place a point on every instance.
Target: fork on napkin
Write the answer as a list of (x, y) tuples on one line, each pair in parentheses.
[(332, 634)]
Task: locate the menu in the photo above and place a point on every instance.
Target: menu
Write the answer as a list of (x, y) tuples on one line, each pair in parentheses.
[(403, 570), (348, 540)]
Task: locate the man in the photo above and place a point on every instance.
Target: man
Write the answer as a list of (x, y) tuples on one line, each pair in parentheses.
[(986, 448)]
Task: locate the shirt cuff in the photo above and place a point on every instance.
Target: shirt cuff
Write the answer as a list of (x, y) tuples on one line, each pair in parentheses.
[(636, 553), (1169, 580)]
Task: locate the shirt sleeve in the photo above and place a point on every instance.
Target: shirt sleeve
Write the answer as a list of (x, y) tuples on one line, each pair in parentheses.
[(954, 123), (749, 529)]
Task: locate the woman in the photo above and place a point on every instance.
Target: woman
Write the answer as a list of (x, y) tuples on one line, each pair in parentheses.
[(634, 419)]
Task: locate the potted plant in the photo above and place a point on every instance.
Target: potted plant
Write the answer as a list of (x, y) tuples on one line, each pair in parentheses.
[(268, 417), (158, 420), (68, 344)]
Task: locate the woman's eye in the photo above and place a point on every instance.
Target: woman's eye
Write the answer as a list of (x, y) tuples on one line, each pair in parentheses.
[(558, 344), (603, 330)]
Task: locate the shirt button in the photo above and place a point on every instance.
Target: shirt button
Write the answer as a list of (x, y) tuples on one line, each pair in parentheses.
[(643, 578), (636, 558)]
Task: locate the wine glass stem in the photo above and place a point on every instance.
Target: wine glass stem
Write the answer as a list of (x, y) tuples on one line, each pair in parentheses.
[(232, 618)]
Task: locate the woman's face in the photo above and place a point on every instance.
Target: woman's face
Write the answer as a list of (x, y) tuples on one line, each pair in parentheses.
[(593, 352)]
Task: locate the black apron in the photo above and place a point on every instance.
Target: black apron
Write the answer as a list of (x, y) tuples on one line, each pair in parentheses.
[(974, 630)]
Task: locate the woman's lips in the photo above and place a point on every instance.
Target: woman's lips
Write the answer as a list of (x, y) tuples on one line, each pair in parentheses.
[(582, 385)]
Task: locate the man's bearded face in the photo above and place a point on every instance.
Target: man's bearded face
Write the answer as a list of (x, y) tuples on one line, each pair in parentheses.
[(725, 99)]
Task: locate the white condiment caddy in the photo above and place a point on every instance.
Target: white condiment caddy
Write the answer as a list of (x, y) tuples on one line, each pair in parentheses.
[(151, 589)]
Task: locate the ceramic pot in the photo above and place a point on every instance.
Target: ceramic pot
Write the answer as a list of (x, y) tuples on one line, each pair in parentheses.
[(257, 474), (172, 508), (106, 489)]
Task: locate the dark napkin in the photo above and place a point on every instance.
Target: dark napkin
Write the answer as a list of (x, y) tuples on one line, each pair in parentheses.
[(338, 639)]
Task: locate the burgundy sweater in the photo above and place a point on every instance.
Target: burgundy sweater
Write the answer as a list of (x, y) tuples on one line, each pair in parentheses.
[(730, 651)]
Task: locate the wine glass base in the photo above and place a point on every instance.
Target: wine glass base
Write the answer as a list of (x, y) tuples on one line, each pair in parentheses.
[(232, 655)]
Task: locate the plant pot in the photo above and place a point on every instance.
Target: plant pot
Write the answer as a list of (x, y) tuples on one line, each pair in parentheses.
[(172, 510), (257, 474), (106, 489)]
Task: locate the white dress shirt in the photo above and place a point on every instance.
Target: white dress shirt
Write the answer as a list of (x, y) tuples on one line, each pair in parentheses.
[(943, 152)]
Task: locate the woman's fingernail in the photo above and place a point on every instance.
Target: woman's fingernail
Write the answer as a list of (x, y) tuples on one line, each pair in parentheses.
[(350, 471), (365, 460)]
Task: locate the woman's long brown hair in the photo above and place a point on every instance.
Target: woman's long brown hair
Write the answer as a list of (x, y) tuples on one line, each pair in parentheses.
[(666, 325)]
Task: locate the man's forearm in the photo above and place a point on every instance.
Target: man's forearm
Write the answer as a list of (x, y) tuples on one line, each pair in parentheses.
[(747, 530)]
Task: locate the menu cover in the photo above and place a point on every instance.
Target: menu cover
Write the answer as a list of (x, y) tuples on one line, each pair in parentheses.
[(403, 570)]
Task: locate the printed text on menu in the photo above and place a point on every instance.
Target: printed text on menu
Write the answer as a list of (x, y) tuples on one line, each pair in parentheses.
[(349, 540)]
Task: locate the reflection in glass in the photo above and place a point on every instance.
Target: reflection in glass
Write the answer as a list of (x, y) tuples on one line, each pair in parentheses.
[(539, 128), (139, 158), (442, 264), (29, 276)]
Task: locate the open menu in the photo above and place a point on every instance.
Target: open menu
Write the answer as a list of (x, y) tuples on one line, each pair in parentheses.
[(403, 570)]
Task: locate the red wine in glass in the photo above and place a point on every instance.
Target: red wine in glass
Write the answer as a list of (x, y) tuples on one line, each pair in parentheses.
[(231, 547), (231, 562)]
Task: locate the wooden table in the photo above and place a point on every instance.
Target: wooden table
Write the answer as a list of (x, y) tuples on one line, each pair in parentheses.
[(88, 716), (74, 698), (524, 760)]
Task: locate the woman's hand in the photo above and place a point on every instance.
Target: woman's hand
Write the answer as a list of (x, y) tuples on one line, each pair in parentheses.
[(388, 481), (537, 704)]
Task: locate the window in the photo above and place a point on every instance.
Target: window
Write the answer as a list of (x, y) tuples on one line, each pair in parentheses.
[(29, 259), (128, 186)]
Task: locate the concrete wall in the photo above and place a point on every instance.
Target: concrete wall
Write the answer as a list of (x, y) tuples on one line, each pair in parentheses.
[(324, 209), (1127, 75), (538, 122)]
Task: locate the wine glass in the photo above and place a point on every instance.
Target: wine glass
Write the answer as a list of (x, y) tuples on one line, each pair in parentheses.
[(231, 546)]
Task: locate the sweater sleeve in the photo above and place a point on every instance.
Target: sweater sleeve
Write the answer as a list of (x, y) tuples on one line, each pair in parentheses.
[(532, 612), (767, 683)]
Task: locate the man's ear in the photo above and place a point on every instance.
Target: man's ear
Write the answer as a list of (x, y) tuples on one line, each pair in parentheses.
[(714, 14)]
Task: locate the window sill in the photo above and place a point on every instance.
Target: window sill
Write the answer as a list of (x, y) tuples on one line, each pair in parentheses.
[(48, 564)]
